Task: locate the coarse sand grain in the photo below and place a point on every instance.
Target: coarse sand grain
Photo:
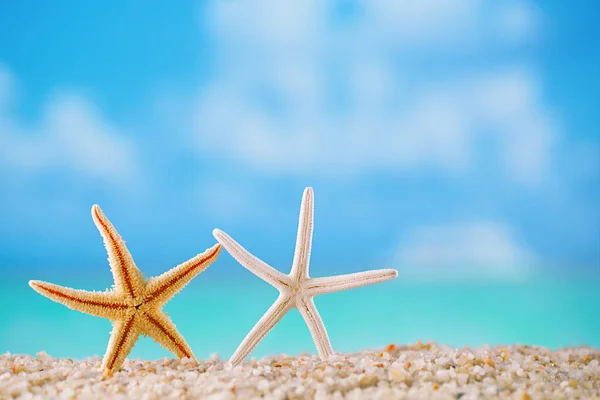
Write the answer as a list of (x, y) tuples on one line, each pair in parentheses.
[(415, 371)]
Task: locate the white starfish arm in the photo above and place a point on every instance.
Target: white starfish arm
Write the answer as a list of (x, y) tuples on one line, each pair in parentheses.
[(128, 278), (123, 336), (315, 324), (262, 327), (161, 288), (160, 328), (101, 304), (316, 286), (301, 262), (250, 262)]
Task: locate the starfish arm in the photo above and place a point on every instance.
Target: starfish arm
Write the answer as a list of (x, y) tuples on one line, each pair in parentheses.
[(123, 336), (164, 332), (250, 262), (316, 327), (304, 237), (316, 286), (260, 330), (161, 288), (101, 304), (128, 278)]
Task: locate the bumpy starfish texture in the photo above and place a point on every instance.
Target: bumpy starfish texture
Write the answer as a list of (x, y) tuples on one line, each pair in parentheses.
[(296, 289), (134, 305)]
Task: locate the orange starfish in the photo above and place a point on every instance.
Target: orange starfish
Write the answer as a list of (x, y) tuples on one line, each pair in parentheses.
[(134, 305)]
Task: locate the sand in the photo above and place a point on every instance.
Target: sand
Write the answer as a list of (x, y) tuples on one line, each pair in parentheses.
[(395, 372)]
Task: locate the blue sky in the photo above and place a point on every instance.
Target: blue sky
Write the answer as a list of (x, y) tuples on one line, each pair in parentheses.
[(457, 135)]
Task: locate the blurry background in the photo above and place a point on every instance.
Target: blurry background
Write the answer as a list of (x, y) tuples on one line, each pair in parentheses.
[(454, 140)]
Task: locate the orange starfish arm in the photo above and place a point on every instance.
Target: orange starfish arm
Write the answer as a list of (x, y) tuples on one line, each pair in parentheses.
[(161, 288), (123, 336), (100, 304), (128, 278), (160, 328)]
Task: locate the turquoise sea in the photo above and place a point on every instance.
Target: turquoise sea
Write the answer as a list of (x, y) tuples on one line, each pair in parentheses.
[(214, 315)]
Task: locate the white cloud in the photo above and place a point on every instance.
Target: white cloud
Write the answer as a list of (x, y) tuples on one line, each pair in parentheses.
[(424, 21), (469, 250), (71, 135), (517, 21), (439, 127), (509, 103), (298, 94), (292, 27), (270, 23)]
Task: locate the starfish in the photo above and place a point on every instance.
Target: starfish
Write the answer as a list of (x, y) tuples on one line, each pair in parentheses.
[(134, 304), (296, 289)]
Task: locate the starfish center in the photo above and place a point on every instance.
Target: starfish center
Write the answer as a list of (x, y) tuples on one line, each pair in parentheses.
[(296, 288)]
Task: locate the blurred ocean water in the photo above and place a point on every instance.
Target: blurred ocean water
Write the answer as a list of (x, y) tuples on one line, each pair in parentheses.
[(214, 315)]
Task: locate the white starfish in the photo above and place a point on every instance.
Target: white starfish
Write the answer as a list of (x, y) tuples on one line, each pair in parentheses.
[(296, 289)]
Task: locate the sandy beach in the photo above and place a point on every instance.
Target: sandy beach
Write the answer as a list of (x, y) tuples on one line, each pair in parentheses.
[(395, 372)]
